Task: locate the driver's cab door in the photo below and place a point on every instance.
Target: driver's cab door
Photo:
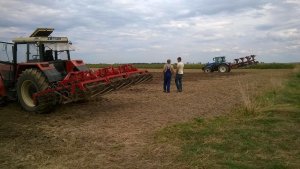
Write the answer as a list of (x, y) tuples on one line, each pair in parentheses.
[(6, 63)]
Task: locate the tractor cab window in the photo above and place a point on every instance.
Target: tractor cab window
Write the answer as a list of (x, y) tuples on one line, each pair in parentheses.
[(6, 54), (219, 59), (28, 52), (37, 52), (57, 51), (33, 53)]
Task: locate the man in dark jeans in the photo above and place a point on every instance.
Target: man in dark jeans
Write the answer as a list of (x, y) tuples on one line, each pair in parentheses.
[(168, 71), (179, 74)]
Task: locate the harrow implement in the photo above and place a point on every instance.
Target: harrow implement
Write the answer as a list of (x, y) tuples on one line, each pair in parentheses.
[(82, 85)]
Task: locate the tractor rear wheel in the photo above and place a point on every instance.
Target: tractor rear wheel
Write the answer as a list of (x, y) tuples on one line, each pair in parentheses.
[(223, 68), (30, 82), (2, 101)]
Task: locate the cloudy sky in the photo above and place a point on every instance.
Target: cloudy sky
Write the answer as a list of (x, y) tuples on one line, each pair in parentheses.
[(125, 31)]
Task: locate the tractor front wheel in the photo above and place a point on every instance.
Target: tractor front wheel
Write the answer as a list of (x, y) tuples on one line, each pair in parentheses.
[(30, 82), (223, 68), (207, 70)]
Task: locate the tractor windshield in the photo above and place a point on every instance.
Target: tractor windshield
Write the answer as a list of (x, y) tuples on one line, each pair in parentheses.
[(219, 59), (59, 50), (59, 47)]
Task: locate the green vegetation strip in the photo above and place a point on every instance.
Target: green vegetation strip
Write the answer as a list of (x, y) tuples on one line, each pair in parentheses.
[(268, 137), (199, 66)]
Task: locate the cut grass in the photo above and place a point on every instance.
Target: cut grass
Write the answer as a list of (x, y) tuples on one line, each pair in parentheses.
[(268, 138)]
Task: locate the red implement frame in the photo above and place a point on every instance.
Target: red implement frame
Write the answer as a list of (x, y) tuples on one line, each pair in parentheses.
[(85, 84)]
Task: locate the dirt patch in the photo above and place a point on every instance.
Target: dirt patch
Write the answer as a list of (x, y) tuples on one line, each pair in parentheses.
[(116, 130)]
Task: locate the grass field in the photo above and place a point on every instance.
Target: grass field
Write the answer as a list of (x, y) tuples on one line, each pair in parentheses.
[(243, 119), (263, 133), (273, 66)]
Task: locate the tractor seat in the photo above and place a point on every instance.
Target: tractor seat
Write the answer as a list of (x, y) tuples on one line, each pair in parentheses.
[(48, 55)]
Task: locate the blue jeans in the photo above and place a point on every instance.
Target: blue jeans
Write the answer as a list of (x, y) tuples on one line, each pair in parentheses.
[(178, 82), (167, 82)]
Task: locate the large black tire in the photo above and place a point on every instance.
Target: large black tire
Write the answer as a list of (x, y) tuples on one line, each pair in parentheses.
[(2, 101), (207, 70), (29, 82), (223, 68)]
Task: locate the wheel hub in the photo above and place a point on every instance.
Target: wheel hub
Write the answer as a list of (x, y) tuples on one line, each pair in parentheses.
[(222, 69), (27, 90)]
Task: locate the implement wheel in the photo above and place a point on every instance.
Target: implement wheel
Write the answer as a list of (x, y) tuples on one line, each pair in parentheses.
[(223, 68), (30, 82)]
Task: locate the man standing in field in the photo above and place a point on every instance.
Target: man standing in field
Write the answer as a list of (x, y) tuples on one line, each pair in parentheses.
[(179, 74), (168, 71)]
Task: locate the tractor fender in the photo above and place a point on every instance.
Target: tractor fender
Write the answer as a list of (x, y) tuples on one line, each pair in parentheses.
[(52, 75), (48, 70), (76, 65)]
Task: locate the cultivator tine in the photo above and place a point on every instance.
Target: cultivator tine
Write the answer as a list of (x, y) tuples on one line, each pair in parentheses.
[(145, 78), (142, 78), (117, 83), (137, 79), (107, 90), (97, 89), (148, 77), (126, 83)]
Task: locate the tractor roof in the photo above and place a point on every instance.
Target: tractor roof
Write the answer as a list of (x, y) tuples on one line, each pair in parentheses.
[(41, 35), (42, 32)]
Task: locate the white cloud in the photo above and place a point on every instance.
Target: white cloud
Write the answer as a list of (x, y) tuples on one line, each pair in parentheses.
[(151, 31)]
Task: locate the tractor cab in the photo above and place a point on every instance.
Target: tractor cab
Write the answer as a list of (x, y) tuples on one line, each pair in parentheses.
[(220, 59), (50, 54), (41, 47)]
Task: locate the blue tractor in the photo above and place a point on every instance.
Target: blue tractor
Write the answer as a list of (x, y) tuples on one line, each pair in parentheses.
[(219, 65)]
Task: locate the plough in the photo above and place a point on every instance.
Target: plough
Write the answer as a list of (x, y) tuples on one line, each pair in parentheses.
[(222, 66)]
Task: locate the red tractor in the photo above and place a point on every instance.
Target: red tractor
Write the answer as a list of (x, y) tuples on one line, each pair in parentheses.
[(38, 72)]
